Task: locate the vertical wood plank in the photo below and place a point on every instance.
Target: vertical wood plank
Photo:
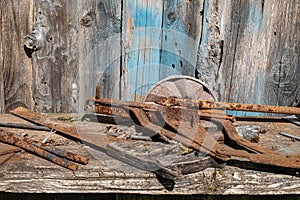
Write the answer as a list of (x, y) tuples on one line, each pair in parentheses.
[(182, 28), (282, 79), (211, 46), (265, 59), (2, 105), (241, 49), (99, 44), (16, 67), (142, 22), (55, 61)]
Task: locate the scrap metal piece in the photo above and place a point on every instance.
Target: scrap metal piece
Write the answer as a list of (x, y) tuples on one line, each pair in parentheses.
[(48, 136), (214, 149), (197, 137), (180, 86), (294, 119), (98, 141), (200, 104), (10, 138), (250, 133), (120, 108), (209, 147)]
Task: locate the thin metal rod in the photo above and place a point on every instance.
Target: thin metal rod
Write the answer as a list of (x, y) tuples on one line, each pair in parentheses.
[(98, 141), (199, 104), (59, 152), (11, 138), (24, 126)]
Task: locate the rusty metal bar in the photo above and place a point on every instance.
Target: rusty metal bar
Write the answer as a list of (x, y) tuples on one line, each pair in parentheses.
[(199, 104), (196, 143), (98, 90), (109, 106), (98, 141), (59, 152), (10, 138), (24, 126)]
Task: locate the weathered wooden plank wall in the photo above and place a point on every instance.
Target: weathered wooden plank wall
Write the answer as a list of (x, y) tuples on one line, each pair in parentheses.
[(246, 51), (182, 29), (142, 22), (55, 64), (99, 48), (17, 18), (250, 52)]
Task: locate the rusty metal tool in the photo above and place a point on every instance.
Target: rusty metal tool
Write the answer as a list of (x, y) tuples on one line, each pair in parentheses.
[(11, 138), (208, 145), (200, 104), (104, 103), (199, 140), (98, 141)]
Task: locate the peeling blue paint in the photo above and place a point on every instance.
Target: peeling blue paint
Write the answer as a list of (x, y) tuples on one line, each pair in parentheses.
[(255, 16), (204, 36), (143, 52)]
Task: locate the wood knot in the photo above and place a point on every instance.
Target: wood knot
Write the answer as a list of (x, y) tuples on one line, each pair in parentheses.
[(172, 17), (87, 19)]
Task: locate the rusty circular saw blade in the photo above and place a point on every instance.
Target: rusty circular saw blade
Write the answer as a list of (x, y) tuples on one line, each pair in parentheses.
[(180, 86)]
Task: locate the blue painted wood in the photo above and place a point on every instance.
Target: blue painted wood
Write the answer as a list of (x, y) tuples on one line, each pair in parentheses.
[(181, 36), (160, 38), (142, 22)]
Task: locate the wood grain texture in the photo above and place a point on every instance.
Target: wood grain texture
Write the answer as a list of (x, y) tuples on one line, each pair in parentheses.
[(55, 64), (98, 178), (15, 67), (246, 51), (142, 22), (99, 48), (181, 33), (257, 59)]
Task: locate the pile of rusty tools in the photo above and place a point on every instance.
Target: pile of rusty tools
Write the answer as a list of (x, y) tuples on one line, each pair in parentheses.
[(12, 143), (167, 120), (178, 119), (165, 124)]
